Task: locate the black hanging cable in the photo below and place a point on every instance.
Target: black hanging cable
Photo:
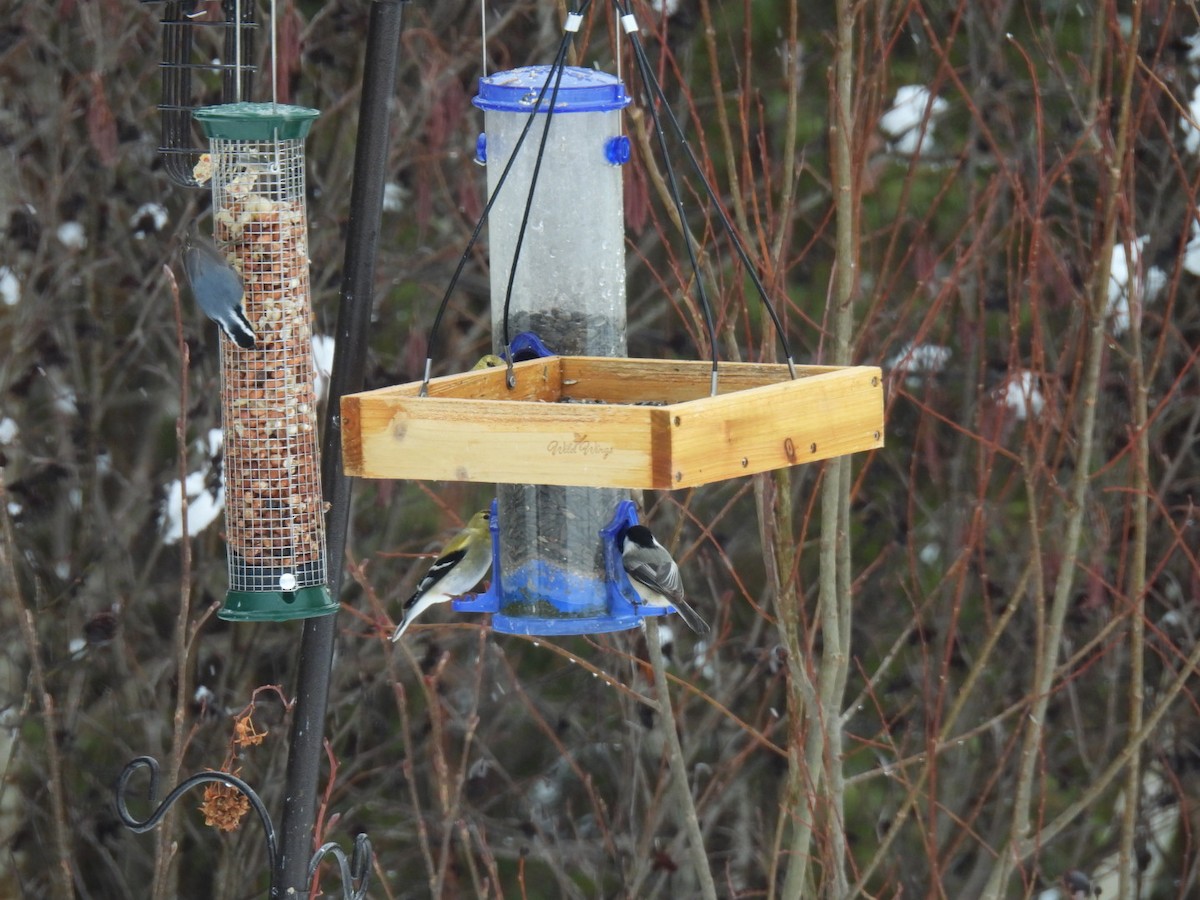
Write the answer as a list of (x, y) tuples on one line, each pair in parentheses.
[(556, 73), (557, 65), (647, 73), (643, 65)]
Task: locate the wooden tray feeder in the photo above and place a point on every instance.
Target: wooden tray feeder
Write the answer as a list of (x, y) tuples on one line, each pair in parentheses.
[(603, 422)]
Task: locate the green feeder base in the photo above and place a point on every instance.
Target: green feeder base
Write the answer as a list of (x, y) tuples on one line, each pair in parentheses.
[(277, 606)]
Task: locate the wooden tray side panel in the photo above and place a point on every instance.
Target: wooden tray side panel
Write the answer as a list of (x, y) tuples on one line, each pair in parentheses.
[(677, 381), (538, 379), (776, 426), (511, 443)]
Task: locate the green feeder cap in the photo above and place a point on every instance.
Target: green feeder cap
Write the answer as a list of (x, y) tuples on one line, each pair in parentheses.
[(277, 606), (256, 121)]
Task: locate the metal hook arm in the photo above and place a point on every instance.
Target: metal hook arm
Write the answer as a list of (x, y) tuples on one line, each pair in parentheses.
[(140, 826)]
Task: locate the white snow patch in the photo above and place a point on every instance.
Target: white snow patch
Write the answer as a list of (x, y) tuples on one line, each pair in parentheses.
[(64, 402), (911, 119), (72, 236), (1128, 282), (203, 507), (1021, 394), (322, 347), (1191, 253), (8, 430), (10, 287), (666, 634), (394, 195), (1193, 54), (153, 215), (920, 358)]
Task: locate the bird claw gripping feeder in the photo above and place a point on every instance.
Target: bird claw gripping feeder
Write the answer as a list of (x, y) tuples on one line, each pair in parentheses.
[(274, 513), (587, 425)]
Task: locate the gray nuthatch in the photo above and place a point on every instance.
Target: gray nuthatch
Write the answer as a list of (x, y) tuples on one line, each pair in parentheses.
[(655, 576), (217, 287)]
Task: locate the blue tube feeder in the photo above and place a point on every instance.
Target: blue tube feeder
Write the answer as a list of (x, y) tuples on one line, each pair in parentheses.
[(560, 279), (566, 437)]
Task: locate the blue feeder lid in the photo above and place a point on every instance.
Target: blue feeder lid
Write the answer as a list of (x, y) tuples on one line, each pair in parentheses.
[(581, 90)]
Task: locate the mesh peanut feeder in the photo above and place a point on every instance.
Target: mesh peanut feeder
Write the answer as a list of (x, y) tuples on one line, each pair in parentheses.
[(274, 515)]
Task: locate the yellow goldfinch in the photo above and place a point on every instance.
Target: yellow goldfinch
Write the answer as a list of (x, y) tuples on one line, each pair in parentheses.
[(489, 361), (459, 567), (655, 576)]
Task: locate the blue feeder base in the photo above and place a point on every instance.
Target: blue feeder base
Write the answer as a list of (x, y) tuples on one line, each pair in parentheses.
[(542, 599)]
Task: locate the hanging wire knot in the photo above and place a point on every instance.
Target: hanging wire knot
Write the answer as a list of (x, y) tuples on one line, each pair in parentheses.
[(424, 392), (510, 379), (355, 871)]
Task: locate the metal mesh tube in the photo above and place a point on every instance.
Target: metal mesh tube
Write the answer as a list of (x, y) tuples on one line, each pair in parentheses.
[(275, 524)]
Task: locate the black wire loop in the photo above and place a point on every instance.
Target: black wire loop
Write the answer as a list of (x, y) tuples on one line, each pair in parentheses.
[(355, 871)]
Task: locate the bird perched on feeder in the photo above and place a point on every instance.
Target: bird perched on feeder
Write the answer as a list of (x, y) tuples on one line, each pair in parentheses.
[(489, 361), (655, 576), (458, 568), (217, 287)]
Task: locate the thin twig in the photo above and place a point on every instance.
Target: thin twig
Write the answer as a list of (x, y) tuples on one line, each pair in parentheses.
[(62, 871), (165, 874), (678, 765), (1009, 856), (1136, 594)]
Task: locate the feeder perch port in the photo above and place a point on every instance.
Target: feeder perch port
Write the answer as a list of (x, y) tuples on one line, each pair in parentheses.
[(608, 422), (563, 602)]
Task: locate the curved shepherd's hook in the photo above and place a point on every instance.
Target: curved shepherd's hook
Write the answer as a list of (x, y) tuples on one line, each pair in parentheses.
[(355, 871), (140, 826)]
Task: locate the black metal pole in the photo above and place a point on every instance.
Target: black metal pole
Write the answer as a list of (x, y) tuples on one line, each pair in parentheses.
[(290, 877)]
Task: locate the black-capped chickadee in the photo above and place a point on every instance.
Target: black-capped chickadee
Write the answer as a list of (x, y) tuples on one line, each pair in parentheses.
[(217, 287), (459, 567), (655, 576)]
